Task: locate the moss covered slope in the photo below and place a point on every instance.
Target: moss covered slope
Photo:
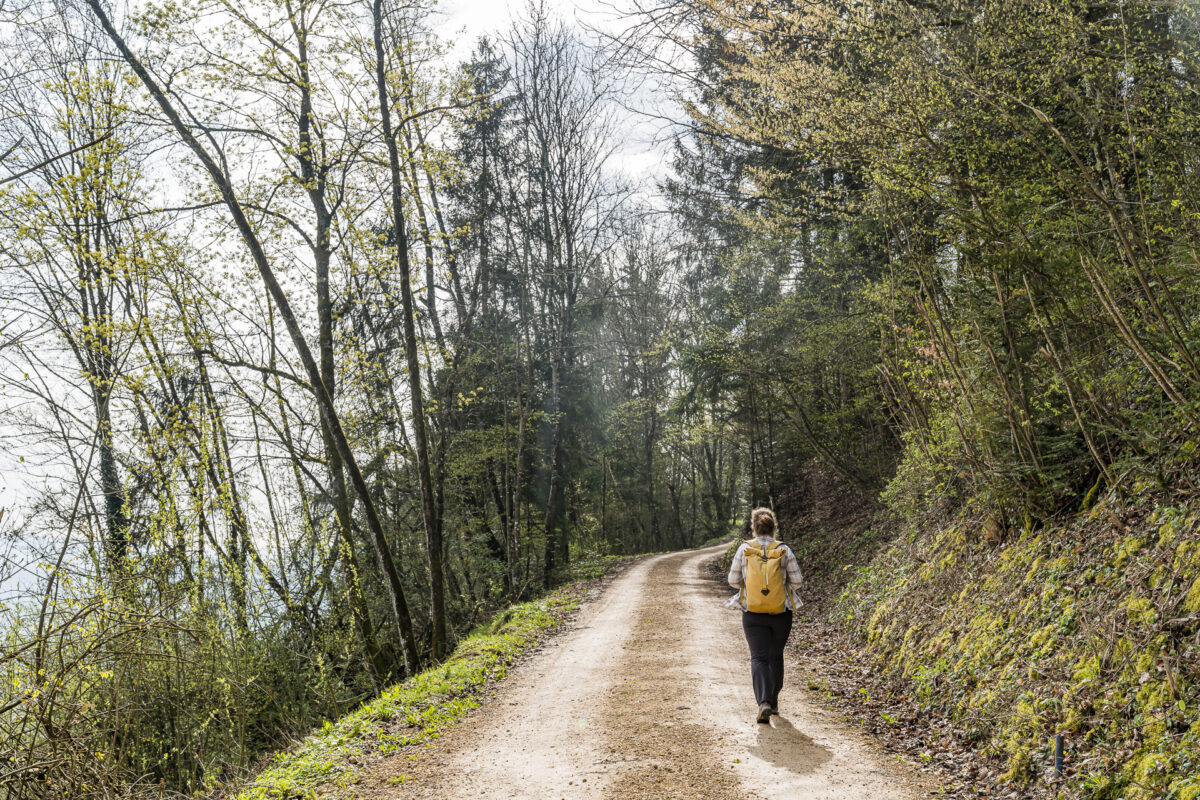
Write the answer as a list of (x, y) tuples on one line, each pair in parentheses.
[(1087, 627)]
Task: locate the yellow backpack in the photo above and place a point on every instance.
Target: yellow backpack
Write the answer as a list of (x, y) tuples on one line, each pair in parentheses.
[(763, 591)]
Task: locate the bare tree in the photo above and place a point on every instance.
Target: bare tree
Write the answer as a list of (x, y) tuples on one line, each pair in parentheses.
[(562, 104), (216, 166)]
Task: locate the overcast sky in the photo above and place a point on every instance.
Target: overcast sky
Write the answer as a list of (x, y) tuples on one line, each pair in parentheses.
[(641, 155), (478, 17)]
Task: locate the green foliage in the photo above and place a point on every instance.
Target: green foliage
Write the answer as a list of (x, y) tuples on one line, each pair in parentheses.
[(953, 207), (593, 566), (925, 479), (193, 699), (412, 711)]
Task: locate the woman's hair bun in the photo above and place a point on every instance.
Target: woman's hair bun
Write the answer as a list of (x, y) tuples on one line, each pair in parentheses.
[(762, 522)]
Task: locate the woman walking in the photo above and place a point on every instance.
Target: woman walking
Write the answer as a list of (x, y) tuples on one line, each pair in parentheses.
[(767, 577)]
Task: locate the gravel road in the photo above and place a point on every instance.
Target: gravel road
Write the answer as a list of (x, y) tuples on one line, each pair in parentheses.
[(647, 696)]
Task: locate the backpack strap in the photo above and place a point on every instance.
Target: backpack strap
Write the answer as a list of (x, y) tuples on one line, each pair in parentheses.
[(745, 575), (788, 590)]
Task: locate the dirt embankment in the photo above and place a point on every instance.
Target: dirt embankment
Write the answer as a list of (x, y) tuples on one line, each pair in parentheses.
[(972, 655)]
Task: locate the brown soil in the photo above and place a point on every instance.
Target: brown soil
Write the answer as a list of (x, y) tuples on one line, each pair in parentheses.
[(647, 696)]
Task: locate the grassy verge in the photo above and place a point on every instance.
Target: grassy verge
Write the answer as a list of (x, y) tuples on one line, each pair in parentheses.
[(329, 761), (1086, 627), (593, 567)]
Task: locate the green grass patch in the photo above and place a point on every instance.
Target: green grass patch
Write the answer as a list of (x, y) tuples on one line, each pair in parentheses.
[(591, 567), (418, 709)]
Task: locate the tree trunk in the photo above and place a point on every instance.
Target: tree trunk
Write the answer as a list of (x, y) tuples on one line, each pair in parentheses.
[(433, 527), (554, 496)]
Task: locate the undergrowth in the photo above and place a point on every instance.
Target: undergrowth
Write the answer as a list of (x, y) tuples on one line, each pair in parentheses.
[(1086, 627), (416, 710), (593, 566)]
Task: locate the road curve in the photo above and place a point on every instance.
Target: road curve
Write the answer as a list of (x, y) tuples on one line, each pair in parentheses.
[(647, 696)]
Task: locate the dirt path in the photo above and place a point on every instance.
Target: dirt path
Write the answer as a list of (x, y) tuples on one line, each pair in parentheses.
[(648, 696)]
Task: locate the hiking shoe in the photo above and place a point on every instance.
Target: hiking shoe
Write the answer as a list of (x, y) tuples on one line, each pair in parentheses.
[(764, 713), (775, 709)]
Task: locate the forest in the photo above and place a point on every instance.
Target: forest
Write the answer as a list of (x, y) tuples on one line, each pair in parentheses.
[(321, 345)]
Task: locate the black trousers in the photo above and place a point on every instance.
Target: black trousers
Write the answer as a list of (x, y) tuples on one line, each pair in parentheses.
[(766, 634)]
